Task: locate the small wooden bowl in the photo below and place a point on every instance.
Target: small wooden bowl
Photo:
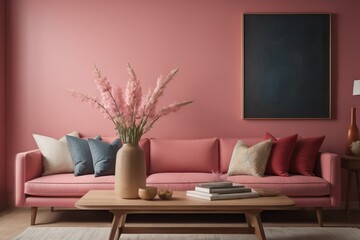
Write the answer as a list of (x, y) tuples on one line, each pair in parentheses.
[(147, 193), (165, 194)]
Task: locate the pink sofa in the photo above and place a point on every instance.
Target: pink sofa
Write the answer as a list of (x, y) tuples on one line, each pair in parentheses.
[(177, 165)]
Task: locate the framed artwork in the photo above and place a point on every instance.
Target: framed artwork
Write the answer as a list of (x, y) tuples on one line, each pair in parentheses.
[(286, 69)]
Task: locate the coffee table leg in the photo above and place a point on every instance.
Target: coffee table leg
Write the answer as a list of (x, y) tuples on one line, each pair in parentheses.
[(254, 220), (120, 226), (248, 221), (118, 220)]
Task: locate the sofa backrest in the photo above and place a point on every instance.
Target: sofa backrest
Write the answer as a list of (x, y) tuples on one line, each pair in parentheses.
[(226, 147), (145, 145), (190, 155)]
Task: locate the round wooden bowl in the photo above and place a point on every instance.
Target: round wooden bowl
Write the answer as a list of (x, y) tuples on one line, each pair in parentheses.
[(147, 193)]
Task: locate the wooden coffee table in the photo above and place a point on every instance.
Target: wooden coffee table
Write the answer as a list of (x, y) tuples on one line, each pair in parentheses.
[(180, 203)]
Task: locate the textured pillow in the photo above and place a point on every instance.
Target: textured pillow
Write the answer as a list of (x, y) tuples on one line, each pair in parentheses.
[(81, 155), (304, 155), (280, 155), (104, 156), (249, 160), (56, 154)]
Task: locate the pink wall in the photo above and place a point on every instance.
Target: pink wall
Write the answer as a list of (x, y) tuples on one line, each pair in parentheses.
[(2, 103), (53, 45)]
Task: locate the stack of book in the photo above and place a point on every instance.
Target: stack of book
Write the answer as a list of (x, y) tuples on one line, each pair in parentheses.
[(221, 190)]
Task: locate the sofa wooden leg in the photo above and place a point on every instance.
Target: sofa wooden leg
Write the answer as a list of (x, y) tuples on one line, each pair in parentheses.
[(33, 215), (52, 209), (319, 215)]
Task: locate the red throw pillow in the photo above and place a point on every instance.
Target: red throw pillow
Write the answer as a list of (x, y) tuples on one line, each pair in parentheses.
[(304, 155), (280, 155)]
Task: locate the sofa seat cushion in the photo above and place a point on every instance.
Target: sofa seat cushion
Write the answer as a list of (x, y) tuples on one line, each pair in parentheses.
[(180, 181), (292, 186), (67, 185)]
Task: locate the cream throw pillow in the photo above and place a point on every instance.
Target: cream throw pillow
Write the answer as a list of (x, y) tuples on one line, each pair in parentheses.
[(56, 154), (249, 160)]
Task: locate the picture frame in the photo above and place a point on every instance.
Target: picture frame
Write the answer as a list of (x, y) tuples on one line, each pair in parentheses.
[(286, 66)]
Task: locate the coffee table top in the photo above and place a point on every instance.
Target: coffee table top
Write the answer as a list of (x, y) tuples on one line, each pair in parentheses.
[(107, 200)]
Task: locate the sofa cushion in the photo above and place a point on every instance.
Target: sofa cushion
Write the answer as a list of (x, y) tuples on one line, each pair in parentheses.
[(194, 155), (280, 155), (81, 155), (67, 185), (56, 154), (292, 186), (304, 155), (226, 146), (250, 160), (180, 181), (104, 156)]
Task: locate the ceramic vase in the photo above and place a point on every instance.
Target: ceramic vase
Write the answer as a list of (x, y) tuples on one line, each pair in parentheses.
[(130, 173), (353, 132)]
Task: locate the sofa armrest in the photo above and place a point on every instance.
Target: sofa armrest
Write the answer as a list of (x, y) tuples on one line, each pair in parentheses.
[(28, 165), (328, 168)]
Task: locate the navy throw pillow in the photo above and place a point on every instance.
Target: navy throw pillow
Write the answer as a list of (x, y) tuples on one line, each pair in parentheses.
[(104, 156), (81, 155)]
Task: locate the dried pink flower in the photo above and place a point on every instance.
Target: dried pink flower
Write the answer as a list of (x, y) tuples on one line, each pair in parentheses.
[(172, 108), (132, 114)]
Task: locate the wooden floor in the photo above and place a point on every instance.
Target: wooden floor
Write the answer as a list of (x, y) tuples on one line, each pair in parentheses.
[(15, 220)]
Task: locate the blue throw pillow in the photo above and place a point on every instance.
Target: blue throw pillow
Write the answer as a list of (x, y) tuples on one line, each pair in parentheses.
[(104, 156), (81, 155)]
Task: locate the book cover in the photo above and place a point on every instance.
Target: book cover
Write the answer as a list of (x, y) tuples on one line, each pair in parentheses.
[(231, 189), (215, 184), (216, 196)]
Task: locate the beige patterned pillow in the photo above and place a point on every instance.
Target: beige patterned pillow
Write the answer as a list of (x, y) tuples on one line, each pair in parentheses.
[(249, 160)]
